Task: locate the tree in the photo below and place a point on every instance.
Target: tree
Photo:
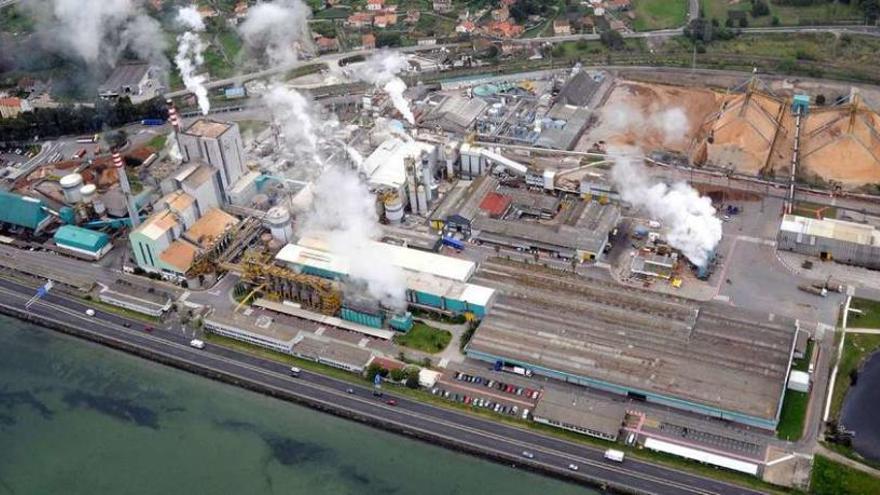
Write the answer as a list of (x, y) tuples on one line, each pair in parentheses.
[(116, 139), (728, 22), (613, 40), (774, 21), (760, 8), (398, 375), (412, 380), (743, 22)]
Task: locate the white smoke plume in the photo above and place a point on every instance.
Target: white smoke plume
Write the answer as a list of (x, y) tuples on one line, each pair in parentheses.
[(689, 221), (278, 29), (381, 70), (99, 32), (190, 56), (342, 211)]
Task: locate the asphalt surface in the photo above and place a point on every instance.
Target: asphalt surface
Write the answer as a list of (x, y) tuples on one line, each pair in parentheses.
[(501, 440)]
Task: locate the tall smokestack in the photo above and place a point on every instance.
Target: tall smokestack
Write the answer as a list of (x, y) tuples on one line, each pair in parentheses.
[(119, 165), (173, 119)]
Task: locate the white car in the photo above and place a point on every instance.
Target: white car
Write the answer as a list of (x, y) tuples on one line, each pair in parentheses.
[(90, 312), (573, 467), (198, 344)]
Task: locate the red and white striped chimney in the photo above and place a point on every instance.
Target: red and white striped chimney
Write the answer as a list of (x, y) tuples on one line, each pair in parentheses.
[(172, 116), (117, 160)]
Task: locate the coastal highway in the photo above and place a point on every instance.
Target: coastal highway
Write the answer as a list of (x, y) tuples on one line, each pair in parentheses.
[(500, 441)]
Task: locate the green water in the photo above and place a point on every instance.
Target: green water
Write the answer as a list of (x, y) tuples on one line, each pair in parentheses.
[(76, 418)]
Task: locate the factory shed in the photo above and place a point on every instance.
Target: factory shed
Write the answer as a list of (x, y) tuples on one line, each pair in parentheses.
[(569, 123), (458, 210), (82, 242), (579, 89), (454, 113), (336, 354), (147, 301), (386, 166), (495, 204), (846, 242), (271, 331), (23, 211), (128, 79), (210, 228), (706, 358), (178, 257), (581, 414)]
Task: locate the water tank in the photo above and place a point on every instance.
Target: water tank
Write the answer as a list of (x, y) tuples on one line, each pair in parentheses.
[(70, 185), (277, 219), (88, 192), (394, 208)]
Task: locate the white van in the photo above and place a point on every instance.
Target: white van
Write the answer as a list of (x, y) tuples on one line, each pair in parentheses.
[(198, 344)]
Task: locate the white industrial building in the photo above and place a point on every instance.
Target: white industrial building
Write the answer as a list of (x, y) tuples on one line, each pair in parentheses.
[(406, 168), (219, 145), (830, 239)]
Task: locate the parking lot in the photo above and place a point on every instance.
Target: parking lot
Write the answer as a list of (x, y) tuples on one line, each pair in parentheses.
[(503, 393)]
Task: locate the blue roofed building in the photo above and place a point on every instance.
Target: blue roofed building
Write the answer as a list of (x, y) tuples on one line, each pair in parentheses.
[(23, 211), (83, 243)]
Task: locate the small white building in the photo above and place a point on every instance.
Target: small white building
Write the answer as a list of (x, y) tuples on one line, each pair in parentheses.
[(799, 381)]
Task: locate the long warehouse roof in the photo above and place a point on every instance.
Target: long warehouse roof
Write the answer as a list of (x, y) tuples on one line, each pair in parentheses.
[(857, 233), (315, 253)]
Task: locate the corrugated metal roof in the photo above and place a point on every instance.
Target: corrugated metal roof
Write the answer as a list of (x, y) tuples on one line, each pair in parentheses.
[(21, 210), (80, 238), (495, 204), (840, 230)]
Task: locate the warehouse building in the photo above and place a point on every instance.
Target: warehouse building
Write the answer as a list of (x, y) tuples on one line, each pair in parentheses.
[(581, 414), (219, 145), (270, 331), (433, 281), (331, 353), (706, 358), (829, 239), (149, 302), (82, 243), (23, 212)]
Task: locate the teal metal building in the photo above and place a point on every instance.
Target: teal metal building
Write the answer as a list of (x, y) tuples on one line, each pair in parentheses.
[(23, 211), (82, 242)]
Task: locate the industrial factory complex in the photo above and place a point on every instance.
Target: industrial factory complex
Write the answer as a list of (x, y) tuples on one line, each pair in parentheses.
[(492, 227)]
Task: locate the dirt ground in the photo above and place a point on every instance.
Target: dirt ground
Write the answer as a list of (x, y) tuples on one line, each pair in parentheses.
[(640, 114)]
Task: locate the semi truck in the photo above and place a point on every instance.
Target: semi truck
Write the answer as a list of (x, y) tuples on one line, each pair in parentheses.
[(509, 368), (614, 455)]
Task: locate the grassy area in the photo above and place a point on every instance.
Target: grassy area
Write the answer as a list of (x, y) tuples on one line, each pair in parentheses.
[(820, 13), (803, 364), (424, 338), (794, 411), (13, 21), (659, 14), (831, 478), (814, 210), (109, 308), (856, 349), (871, 316), (158, 142)]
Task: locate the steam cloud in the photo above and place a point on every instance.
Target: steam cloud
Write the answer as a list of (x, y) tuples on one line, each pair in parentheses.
[(190, 50), (688, 219), (99, 32), (278, 29), (343, 211), (381, 70)]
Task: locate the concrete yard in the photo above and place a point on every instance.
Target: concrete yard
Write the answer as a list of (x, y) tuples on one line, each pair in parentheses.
[(703, 357)]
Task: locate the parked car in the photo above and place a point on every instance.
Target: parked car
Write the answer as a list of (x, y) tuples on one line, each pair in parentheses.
[(527, 454)]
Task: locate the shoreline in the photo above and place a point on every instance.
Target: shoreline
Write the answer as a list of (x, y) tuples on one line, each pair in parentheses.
[(338, 411)]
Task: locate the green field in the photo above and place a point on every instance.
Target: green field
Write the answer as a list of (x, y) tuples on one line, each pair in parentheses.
[(831, 478), (158, 142), (822, 13), (424, 338), (856, 349), (794, 411), (659, 14), (871, 316)]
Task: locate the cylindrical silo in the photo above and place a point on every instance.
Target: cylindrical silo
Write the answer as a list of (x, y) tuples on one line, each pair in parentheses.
[(394, 208), (70, 185), (422, 196), (277, 219), (87, 193)]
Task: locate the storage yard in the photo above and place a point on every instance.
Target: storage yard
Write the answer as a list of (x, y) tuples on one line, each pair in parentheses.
[(660, 348)]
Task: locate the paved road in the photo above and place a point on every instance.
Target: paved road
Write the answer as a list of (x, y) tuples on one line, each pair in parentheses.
[(503, 440)]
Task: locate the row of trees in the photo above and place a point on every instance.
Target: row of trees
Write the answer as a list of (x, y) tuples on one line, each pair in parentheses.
[(72, 120), (409, 376)]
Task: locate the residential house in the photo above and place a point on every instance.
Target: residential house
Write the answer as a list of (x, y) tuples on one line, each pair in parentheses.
[(617, 25), (325, 44), (501, 14), (375, 5), (561, 27), (11, 107), (504, 29), (443, 6), (465, 27), (368, 41), (588, 23), (359, 19), (413, 16), (385, 20)]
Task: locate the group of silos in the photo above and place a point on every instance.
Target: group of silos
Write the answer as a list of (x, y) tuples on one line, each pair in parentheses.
[(83, 197)]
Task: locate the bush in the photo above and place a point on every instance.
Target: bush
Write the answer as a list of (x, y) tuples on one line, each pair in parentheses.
[(820, 99), (774, 21), (412, 381), (398, 375), (743, 22), (760, 8)]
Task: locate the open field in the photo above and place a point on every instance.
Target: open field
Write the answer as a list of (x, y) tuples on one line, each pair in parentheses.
[(823, 13), (659, 14), (831, 478), (424, 338), (871, 316)]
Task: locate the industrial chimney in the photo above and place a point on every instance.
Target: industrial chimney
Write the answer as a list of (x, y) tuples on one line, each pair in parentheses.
[(119, 165)]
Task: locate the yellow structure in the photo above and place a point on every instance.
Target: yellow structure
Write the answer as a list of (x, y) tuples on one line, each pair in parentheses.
[(282, 283)]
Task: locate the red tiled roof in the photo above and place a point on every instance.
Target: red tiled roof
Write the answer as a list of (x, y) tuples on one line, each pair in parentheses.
[(495, 204)]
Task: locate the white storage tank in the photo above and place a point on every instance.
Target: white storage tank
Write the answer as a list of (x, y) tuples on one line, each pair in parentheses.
[(277, 219), (422, 196), (70, 186), (394, 208), (87, 193)]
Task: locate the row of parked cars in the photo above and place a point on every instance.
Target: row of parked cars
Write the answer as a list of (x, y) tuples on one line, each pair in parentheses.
[(482, 403), (504, 387)]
